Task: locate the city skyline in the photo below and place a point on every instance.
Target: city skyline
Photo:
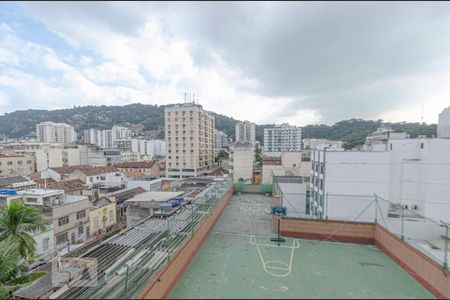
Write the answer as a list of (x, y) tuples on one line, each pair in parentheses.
[(306, 63)]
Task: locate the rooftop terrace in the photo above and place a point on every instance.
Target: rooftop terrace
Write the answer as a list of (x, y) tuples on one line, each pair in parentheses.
[(239, 261)]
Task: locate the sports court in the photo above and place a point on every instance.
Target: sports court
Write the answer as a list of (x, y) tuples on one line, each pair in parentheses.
[(239, 261)]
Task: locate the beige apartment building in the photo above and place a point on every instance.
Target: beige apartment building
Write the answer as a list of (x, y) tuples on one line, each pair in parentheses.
[(189, 140), (16, 164)]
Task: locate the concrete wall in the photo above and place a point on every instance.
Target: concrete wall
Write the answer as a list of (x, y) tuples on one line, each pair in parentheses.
[(165, 280), (424, 270), (328, 230), (427, 272)]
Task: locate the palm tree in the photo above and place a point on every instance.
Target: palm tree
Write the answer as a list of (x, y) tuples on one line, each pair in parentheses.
[(16, 223), (13, 270)]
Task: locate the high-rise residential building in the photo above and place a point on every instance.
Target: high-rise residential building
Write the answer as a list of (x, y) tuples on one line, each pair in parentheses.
[(282, 138), (55, 133), (189, 139), (245, 132), (106, 138), (120, 133), (220, 139), (443, 129), (149, 147)]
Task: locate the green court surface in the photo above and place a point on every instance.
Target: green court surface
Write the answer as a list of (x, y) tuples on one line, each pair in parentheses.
[(245, 266)]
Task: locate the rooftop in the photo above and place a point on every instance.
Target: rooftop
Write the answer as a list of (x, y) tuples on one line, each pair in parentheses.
[(155, 196), (136, 164), (41, 192), (7, 181), (85, 169), (238, 260), (66, 185)]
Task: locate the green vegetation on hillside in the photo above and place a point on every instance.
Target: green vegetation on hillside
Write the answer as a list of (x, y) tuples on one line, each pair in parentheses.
[(23, 123)]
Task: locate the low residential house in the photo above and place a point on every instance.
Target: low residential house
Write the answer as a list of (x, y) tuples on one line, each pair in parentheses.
[(67, 214), (148, 168), (70, 187), (145, 205), (17, 183), (102, 215), (16, 164), (88, 174), (295, 163)]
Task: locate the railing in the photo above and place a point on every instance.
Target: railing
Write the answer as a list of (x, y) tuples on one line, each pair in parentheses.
[(129, 277), (426, 235)]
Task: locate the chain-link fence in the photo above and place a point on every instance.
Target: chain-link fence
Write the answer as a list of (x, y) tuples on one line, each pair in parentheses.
[(428, 236), (127, 276)]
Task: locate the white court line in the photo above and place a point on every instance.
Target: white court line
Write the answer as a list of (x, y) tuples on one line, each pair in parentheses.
[(265, 264)]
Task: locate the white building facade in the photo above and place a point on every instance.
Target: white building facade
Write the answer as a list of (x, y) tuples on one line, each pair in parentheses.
[(443, 129), (51, 132), (241, 161), (282, 138), (245, 132)]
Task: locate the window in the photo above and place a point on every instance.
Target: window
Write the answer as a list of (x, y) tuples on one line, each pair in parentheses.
[(102, 178), (111, 215), (19, 162), (45, 243), (31, 200), (9, 163), (63, 221), (29, 162), (61, 238), (390, 146), (80, 230), (421, 145), (81, 214), (91, 179), (96, 224)]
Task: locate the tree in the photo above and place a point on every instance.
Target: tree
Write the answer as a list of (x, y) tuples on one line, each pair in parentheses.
[(16, 223), (13, 270)]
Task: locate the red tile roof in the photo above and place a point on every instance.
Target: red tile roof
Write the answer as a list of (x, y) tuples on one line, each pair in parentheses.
[(34, 176), (41, 181), (135, 164), (138, 190), (67, 185), (134, 173), (86, 169)]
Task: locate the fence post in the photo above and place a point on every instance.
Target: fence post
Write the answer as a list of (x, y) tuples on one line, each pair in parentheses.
[(376, 209), (446, 247), (403, 223), (326, 207)]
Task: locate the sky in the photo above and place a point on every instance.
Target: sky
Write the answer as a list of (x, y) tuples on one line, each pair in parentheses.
[(267, 62)]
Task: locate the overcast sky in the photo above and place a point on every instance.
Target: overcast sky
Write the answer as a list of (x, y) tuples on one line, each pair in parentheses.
[(267, 62)]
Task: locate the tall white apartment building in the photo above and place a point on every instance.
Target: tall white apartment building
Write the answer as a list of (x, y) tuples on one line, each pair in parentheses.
[(106, 138), (245, 132), (189, 132), (443, 129), (282, 138), (50, 132), (220, 139), (120, 133), (149, 147)]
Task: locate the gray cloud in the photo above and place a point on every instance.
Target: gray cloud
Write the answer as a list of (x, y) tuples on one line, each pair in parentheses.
[(324, 53)]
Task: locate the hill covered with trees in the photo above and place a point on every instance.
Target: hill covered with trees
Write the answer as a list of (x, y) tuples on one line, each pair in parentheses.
[(22, 123)]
